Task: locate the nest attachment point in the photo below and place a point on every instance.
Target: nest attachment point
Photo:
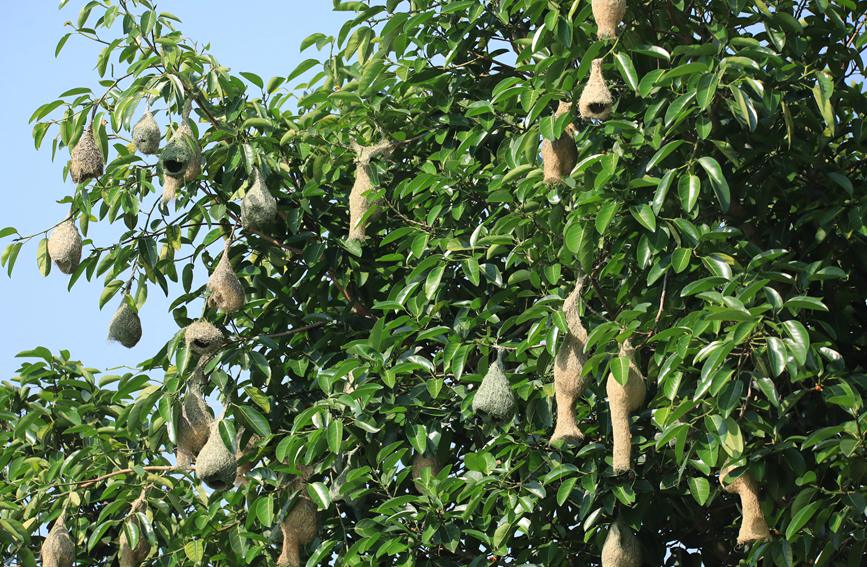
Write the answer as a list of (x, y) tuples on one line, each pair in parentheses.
[(753, 524), (299, 527), (608, 15)]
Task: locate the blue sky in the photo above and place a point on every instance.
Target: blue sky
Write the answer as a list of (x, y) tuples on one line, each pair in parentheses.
[(263, 38)]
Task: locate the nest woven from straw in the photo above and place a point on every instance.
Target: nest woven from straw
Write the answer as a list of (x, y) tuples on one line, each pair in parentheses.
[(595, 100), (259, 207), (359, 200), (494, 396), (215, 464), (299, 527), (753, 524), (560, 156), (569, 381), (608, 15), (133, 557), (182, 157), (194, 425), (146, 134), (225, 290), (86, 162), (202, 337), (58, 549), (622, 401), (64, 247), (621, 548), (125, 326)]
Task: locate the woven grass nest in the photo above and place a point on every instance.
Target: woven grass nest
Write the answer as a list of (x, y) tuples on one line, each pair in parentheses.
[(64, 246), (58, 549), (595, 101), (359, 200), (146, 134), (125, 326), (622, 548), (86, 162), (225, 291), (494, 396), (560, 156), (194, 425), (259, 207), (622, 401), (129, 556), (753, 524), (215, 464), (569, 381), (202, 337), (608, 15), (299, 528)]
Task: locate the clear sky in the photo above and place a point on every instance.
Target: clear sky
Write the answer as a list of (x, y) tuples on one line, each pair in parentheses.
[(262, 37)]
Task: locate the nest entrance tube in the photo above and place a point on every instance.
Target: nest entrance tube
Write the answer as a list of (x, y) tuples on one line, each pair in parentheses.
[(753, 524), (560, 156), (595, 100), (623, 399), (299, 527), (359, 200), (622, 548), (569, 381)]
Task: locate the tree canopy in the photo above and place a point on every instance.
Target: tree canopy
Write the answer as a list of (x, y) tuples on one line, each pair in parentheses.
[(381, 235)]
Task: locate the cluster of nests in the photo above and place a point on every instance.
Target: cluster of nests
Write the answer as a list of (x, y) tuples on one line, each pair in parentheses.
[(494, 397)]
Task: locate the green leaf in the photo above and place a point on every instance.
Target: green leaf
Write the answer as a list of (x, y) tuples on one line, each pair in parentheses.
[(320, 495), (335, 436), (717, 181), (662, 191), (662, 153), (265, 510), (575, 236), (255, 420), (432, 282), (688, 189), (43, 260), (645, 217), (799, 345), (195, 550), (706, 91), (606, 213), (777, 355), (801, 517), (805, 302), (619, 366), (680, 259), (700, 489), (627, 69), (565, 490)]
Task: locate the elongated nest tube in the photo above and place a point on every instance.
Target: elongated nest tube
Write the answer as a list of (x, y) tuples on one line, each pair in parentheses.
[(146, 134), (595, 100), (259, 207), (608, 15), (194, 425), (622, 401), (753, 524), (299, 527), (621, 548), (215, 464), (86, 162), (202, 337), (58, 549), (359, 200), (64, 246), (419, 464), (127, 555), (494, 396), (125, 326), (560, 156), (182, 157), (171, 186), (569, 382), (225, 290)]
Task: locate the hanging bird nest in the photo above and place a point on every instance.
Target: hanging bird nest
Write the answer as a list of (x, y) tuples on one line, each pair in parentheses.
[(125, 326), (225, 290), (58, 549), (129, 556), (359, 200), (569, 381), (86, 162), (181, 158), (560, 156), (202, 337), (299, 527), (146, 134), (215, 464), (494, 396), (595, 100), (608, 15), (622, 401), (421, 462), (194, 425), (64, 246), (259, 207), (753, 524), (621, 548)]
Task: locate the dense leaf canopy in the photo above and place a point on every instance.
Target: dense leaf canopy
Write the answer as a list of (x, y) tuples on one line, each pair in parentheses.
[(715, 221)]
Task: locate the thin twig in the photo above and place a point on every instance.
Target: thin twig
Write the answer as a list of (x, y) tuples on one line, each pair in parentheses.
[(150, 468)]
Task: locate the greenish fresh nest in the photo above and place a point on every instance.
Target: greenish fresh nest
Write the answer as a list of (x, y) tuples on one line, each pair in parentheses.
[(215, 464), (595, 100), (181, 158), (225, 290), (494, 395), (86, 162), (608, 14), (125, 326), (64, 247), (259, 207), (194, 425), (621, 548), (146, 134), (202, 337), (58, 549)]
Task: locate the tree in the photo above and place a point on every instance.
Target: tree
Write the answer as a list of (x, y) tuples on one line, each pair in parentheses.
[(714, 224)]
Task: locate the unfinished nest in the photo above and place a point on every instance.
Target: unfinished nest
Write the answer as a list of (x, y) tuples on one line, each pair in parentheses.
[(171, 186), (569, 381), (494, 396), (146, 134), (359, 200), (753, 524), (194, 425), (215, 464), (202, 337), (125, 326), (259, 207), (64, 246), (595, 100), (608, 15), (182, 157), (560, 156), (421, 462), (86, 162), (58, 549), (225, 290), (299, 527), (621, 548), (129, 556), (622, 401)]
